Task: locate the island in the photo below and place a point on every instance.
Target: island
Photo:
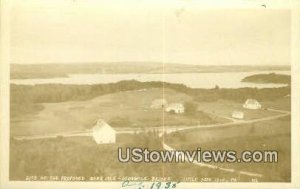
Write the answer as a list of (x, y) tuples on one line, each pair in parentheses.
[(268, 78)]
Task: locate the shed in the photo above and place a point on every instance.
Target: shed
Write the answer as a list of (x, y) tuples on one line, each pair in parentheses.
[(237, 115)]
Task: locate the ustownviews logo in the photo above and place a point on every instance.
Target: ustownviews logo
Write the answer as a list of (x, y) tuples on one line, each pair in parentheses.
[(139, 155)]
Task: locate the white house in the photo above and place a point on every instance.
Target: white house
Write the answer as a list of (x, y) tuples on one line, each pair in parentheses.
[(158, 103), (103, 133), (175, 107), (237, 115), (252, 104)]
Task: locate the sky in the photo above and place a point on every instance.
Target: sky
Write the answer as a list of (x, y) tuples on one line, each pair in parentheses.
[(177, 31)]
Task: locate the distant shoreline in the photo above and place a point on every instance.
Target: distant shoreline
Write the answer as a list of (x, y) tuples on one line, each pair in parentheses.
[(47, 71)]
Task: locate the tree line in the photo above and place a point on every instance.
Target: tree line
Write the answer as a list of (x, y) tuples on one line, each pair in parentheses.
[(50, 93)]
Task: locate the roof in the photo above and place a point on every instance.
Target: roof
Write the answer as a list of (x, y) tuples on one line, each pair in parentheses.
[(101, 124), (251, 101), (175, 105), (237, 112)]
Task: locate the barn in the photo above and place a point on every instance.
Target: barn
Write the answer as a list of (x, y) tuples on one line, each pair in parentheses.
[(103, 133), (176, 108), (252, 104)]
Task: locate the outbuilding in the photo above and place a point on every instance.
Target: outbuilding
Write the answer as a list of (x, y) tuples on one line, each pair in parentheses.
[(237, 115)]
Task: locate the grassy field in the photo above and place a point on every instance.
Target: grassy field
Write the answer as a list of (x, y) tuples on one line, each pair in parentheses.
[(120, 109), (281, 103), (266, 135), (225, 108), (81, 156)]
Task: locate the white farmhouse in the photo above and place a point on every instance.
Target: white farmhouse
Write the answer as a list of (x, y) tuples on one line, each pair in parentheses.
[(252, 104), (158, 103), (103, 133), (175, 107), (237, 115)]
